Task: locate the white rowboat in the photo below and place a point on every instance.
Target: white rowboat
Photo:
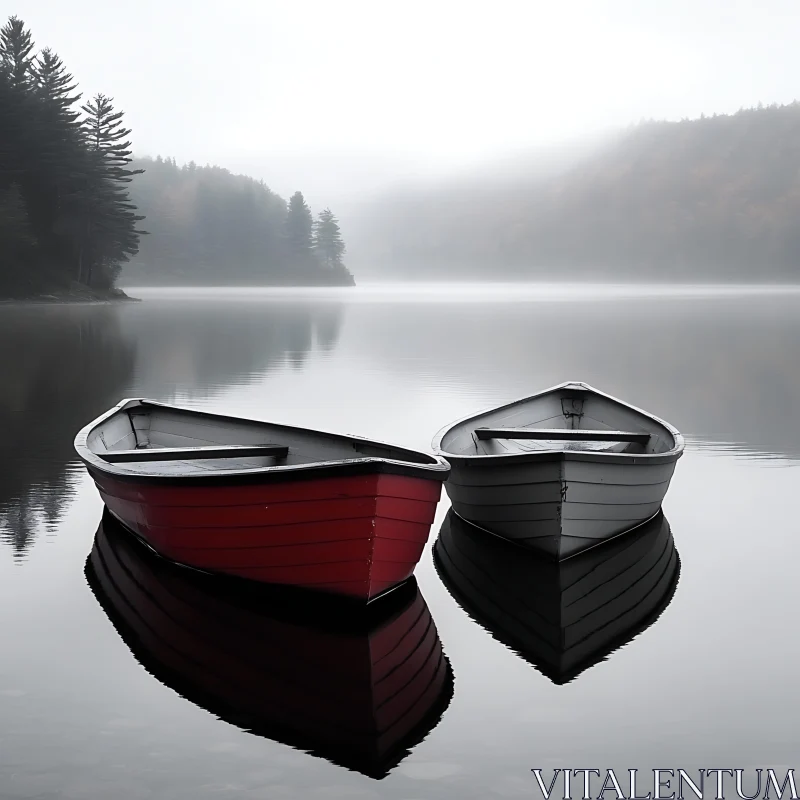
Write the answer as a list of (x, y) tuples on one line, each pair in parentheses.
[(561, 471)]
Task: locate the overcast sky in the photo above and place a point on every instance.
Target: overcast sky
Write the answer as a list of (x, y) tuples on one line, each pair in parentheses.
[(346, 96)]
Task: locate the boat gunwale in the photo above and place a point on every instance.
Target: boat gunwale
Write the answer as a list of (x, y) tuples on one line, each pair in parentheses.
[(438, 469), (466, 459)]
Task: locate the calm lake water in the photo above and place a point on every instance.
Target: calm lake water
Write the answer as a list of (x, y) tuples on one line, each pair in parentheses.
[(711, 683)]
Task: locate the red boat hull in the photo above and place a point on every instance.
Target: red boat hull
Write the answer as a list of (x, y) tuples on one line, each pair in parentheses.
[(357, 536)]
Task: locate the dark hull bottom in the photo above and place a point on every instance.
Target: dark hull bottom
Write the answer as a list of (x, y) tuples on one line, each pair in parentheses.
[(353, 536)]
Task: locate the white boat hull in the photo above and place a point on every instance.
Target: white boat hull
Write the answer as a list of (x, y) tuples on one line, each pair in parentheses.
[(560, 507)]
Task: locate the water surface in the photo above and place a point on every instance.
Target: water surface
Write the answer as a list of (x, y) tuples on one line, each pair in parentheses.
[(711, 682)]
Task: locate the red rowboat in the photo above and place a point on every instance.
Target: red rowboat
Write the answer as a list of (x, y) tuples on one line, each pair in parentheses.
[(357, 689), (266, 502)]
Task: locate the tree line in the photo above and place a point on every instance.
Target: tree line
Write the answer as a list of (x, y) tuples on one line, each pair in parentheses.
[(73, 200), (210, 227), (715, 198), (65, 213)]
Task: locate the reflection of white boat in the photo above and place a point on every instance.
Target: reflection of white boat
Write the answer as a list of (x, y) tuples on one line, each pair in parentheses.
[(561, 616), (559, 471)]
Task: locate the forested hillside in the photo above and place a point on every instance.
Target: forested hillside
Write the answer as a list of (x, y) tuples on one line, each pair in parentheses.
[(717, 198), (66, 219), (210, 227), (75, 207)]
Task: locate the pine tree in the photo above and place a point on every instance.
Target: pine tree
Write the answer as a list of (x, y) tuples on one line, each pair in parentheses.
[(54, 84), (19, 124), (299, 227), (328, 244), (58, 171), (52, 87), (107, 137), (108, 233), (16, 46)]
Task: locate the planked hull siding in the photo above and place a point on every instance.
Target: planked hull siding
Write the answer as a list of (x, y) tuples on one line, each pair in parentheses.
[(355, 536), (560, 471), (357, 693), (561, 507), (563, 617)]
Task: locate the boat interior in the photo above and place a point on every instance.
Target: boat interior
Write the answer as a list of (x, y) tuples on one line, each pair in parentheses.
[(570, 417), (142, 436)]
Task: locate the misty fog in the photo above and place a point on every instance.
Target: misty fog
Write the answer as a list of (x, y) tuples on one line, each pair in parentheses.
[(417, 126)]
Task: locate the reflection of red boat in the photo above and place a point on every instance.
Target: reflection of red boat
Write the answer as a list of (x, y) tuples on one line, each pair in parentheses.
[(359, 690), (266, 502)]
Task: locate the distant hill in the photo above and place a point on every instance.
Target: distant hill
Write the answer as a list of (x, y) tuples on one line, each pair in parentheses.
[(716, 198), (208, 227)]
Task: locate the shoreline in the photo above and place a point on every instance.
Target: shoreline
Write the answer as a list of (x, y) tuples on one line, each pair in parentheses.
[(455, 291), (85, 296)]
